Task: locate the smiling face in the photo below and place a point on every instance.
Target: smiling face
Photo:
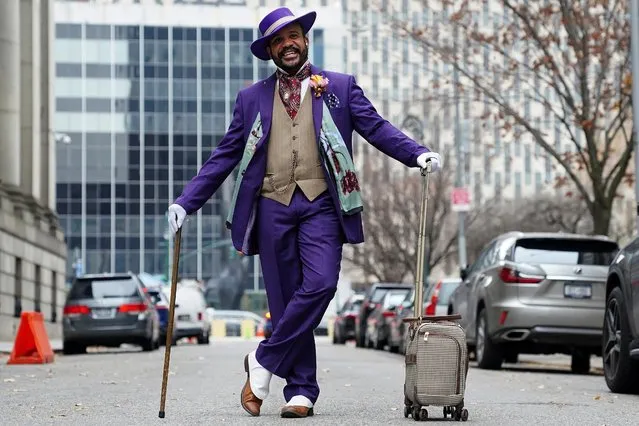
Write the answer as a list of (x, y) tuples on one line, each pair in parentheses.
[(289, 48)]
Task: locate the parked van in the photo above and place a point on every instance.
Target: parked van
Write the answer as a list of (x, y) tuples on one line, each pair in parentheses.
[(190, 312)]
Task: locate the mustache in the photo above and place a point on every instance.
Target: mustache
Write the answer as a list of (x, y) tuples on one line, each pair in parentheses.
[(289, 49)]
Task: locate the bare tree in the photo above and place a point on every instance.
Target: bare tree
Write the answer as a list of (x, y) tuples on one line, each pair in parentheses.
[(391, 224), (571, 58), (543, 213)]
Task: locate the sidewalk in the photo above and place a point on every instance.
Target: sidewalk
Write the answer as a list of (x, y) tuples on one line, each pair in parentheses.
[(7, 347)]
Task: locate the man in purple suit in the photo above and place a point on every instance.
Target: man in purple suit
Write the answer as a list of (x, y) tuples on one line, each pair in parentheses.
[(297, 199)]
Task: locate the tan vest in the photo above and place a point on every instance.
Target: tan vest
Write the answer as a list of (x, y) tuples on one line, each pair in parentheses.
[(293, 142)]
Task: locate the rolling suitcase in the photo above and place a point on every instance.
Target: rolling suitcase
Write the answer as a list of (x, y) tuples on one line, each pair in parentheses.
[(436, 355)]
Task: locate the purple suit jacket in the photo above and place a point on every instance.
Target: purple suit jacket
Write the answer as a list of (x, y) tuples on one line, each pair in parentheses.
[(354, 113)]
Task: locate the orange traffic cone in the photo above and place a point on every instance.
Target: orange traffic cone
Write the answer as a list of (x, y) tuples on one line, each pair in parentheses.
[(32, 344)]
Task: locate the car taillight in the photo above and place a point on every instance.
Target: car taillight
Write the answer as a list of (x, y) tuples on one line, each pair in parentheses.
[(513, 276), (133, 308), (75, 310), (350, 316), (200, 316), (388, 314)]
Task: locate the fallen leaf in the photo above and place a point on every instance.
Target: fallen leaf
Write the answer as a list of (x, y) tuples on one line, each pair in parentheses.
[(597, 397)]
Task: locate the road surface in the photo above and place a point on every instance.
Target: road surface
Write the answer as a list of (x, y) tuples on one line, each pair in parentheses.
[(358, 387)]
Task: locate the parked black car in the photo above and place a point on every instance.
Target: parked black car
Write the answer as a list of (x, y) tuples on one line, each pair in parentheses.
[(620, 343), (378, 323), (372, 297), (344, 325)]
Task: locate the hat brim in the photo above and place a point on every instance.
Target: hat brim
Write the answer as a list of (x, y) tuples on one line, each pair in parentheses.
[(258, 47)]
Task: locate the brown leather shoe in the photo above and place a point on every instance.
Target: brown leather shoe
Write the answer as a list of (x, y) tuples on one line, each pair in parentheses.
[(250, 402), (296, 411)]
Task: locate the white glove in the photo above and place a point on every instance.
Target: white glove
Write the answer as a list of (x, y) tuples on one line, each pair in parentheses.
[(433, 157), (176, 214)]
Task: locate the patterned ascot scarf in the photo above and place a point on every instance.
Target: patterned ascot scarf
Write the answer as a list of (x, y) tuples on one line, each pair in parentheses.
[(291, 89)]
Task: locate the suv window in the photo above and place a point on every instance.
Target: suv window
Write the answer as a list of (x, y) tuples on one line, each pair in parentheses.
[(102, 288), (395, 297), (378, 294), (565, 251)]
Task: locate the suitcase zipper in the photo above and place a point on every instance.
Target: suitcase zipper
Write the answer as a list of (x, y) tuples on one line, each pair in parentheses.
[(459, 352)]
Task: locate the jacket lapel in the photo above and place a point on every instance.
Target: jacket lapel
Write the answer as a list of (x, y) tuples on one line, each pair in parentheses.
[(317, 105), (267, 94)]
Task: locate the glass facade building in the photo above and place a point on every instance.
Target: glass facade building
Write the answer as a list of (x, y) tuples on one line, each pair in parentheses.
[(144, 106)]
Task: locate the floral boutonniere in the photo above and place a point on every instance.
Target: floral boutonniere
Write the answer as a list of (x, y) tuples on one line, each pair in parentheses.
[(318, 84)]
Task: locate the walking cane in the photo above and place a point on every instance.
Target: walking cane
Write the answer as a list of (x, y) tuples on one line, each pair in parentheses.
[(169, 331)]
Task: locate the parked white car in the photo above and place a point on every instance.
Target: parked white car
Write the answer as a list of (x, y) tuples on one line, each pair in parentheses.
[(190, 312)]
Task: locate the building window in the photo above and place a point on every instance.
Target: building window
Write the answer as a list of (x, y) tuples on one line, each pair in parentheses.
[(17, 290), (528, 164), (54, 296), (538, 181), (517, 185), (38, 289), (507, 164)]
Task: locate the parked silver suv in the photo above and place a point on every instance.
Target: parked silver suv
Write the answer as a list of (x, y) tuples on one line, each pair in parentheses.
[(535, 293), (108, 310)]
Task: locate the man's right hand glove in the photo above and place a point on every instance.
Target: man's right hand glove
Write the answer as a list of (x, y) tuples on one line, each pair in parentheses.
[(176, 214)]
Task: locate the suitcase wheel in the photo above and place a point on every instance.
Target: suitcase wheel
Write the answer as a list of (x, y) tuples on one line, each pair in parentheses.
[(419, 413), (456, 413), (460, 414), (406, 411)]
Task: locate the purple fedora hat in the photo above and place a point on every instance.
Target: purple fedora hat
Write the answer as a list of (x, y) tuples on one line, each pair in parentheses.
[(275, 21)]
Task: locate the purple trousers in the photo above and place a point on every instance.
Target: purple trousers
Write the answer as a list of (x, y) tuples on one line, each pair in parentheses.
[(300, 248)]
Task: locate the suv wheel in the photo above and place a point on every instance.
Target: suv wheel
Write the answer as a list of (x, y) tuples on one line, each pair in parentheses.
[(73, 348), (620, 371), (148, 345), (488, 355), (203, 339)]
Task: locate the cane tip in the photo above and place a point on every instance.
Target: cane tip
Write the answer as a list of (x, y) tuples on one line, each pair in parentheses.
[(161, 415)]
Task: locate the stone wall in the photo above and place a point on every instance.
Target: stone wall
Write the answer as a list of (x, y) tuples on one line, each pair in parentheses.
[(32, 262)]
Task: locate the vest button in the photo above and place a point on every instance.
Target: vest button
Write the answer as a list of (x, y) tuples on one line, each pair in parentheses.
[(294, 137)]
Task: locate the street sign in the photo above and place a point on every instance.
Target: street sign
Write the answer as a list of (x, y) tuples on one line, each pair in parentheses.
[(460, 199)]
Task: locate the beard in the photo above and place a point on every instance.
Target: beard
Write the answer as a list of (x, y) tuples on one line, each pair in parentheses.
[(293, 65)]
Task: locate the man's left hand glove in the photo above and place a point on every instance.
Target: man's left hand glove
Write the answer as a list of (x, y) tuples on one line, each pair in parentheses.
[(433, 157)]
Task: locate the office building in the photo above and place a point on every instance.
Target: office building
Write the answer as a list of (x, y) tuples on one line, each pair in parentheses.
[(145, 90), (32, 248), (403, 80)]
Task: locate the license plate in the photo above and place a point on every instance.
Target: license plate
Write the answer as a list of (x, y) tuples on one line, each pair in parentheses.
[(102, 313), (184, 317), (578, 290)]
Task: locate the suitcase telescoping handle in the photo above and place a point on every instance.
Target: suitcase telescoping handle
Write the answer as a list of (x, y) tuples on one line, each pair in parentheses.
[(418, 305)]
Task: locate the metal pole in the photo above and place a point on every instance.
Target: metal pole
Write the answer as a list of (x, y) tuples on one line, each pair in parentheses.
[(634, 45), (461, 166)]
